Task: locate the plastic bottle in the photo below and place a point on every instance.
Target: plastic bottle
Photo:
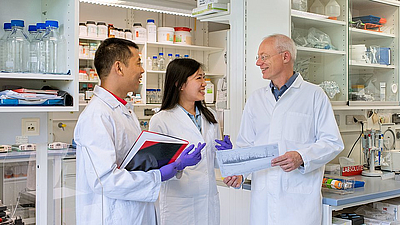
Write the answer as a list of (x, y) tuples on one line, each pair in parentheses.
[(154, 64), (32, 32), (161, 61), (54, 49), (17, 48), (139, 33), (149, 63), (151, 31), (102, 30), (169, 59), (3, 41), (332, 9), (209, 96), (317, 7), (299, 5)]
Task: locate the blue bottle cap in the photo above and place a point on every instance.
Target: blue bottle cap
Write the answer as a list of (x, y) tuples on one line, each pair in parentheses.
[(51, 23), (40, 26), (32, 28), (186, 56), (176, 55), (7, 26), (150, 21), (169, 54), (154, 57), (18, 23), (160, 53)]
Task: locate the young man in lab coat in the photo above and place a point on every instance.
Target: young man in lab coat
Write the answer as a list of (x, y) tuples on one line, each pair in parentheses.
[(105, 131), (298, 116)]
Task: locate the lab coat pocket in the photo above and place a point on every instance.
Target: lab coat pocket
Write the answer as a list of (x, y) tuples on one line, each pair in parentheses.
[(176, 210), (298, 183), (258, 180), (297, 127)]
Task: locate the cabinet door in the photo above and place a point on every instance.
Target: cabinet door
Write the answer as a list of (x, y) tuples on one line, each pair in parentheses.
[(373, 52)]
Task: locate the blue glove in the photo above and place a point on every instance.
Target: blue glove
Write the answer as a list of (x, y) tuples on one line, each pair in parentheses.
[(224, 144), (186, 159), (168, 171)]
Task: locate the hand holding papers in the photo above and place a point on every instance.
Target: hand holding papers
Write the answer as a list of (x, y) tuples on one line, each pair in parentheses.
[(152, 151), (246, 160)]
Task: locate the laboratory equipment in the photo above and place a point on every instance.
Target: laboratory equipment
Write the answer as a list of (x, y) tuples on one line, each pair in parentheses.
[(27, 147), (299, 5), (372, 145), (91, 28), (139, 32), (209, 95), (331, 88), (332, 9), (57, 145), (317, 7), (3, 39), (339, 184), (5, 148), (54, 48), (102, 30), (166, 34), (169, 59), (182, 35), (151, 31), (32, 30), (37, 53), (161, 61), (391, 160), (154, 63), (17, 48)]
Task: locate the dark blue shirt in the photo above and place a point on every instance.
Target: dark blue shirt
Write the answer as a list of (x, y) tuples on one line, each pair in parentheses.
[(279, 92)]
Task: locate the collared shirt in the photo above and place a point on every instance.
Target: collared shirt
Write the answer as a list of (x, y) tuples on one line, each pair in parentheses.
[(279, 92), (118, 98), (196, 119)]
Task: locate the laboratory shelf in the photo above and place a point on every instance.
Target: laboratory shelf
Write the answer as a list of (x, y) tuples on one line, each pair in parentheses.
[(207, 74), (219, 17), (360, 34), (303, 51), (314, 20), (155, 71), (185, 47), (14, 179), (102, 39), (362, 4), (89, 81), (370, 66), (36, 108), (349, 108), (36, 76), (86, 58)]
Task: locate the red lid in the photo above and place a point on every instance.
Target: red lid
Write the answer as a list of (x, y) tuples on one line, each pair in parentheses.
[(182, 29)]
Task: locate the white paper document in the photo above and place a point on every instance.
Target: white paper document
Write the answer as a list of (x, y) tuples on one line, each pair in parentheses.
[(241, 161)]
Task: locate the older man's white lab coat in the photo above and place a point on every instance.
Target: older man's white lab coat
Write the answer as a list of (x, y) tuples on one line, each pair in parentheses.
[(192, 199), (301, 120), (105, 131)]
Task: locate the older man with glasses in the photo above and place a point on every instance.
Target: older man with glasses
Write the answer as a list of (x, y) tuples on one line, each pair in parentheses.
[(298, 116)]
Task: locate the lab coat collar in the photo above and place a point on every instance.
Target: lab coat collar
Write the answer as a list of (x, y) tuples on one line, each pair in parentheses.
[(296, 84), (109, 99), (181, 115)]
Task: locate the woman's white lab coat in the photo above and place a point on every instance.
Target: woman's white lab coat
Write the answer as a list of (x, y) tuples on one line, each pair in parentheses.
[(105, 131), (192, 199), (301, 120)]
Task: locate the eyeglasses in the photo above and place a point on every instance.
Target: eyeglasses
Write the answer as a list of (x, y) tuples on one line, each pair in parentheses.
[(266, 57)]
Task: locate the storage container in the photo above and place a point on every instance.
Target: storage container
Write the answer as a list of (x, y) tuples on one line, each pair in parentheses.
[(182, 35), (102, 30), (91, 28), (165, 34), (139, 33)]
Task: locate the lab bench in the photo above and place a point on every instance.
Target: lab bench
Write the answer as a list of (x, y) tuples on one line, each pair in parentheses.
[(375, 189), (18, 177)]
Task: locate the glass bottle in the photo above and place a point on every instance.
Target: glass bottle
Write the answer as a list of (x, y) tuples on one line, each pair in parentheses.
[(169, 59), (54, 46), (154, 65), (37, 53), (32, 31), (17, 48), (161, 61), (3, 40)]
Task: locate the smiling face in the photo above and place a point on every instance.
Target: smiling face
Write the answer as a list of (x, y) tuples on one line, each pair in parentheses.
[(133, 71), (194, 88), (270, 60)]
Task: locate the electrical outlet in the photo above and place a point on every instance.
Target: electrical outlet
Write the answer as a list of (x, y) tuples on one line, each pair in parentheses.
[(30, 126), (350, 120)]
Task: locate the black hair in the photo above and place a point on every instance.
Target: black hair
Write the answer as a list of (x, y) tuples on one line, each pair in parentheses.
[(111, 50), (177, 73)]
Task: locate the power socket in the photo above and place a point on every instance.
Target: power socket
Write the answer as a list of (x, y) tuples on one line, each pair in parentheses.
[(350, 120), (30, 127)]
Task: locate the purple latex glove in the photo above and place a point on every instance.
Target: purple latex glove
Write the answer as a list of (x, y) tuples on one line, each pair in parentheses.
[(168, 171), (224, 144), (186, 159)]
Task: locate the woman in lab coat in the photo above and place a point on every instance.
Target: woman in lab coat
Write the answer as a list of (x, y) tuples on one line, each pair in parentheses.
[(193, 198)]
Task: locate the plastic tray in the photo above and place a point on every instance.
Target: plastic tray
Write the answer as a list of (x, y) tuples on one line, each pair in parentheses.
[(18, 102), (368, 19)]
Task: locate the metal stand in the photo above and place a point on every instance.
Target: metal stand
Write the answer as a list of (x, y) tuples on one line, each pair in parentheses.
[(372, 172)]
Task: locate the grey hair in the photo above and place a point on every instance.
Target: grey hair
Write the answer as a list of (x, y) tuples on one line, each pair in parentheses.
[(284, 43)]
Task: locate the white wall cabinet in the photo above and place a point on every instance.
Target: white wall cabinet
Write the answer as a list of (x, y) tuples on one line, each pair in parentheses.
[(66, 12)]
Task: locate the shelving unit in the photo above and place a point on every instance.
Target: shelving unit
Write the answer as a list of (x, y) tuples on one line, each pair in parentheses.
[(318, 65), (372, 75), (64, 12)]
